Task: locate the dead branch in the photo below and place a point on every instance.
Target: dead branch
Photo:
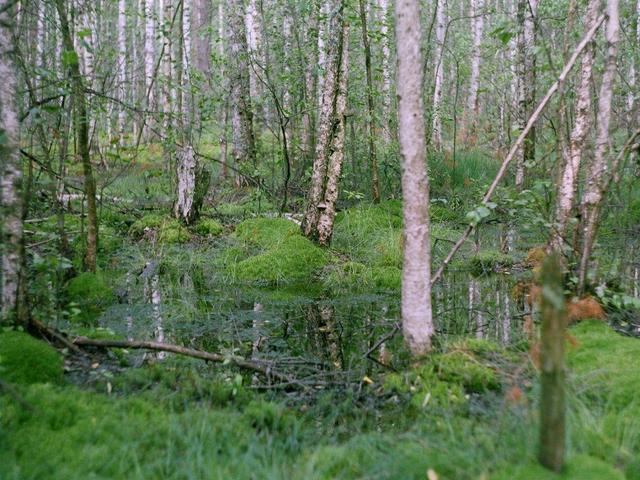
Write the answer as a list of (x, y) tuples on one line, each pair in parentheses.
[(264, 369)]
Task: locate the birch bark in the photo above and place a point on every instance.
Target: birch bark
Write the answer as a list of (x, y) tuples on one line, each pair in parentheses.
[(417, 322), (441, 25), (10, 177), (597, 176)]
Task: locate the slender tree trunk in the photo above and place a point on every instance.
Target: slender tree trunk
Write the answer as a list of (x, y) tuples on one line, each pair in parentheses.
[(326, 124), (12, 307), (525, 69), (471, 115), (568, 182), (323, 22), (334, 167), (243, 148), (81, 123), (371, 119), (598, 174), (149, 53), (417, 322), (255, 47), (387, 128), (122, 64), (202, 37), (436, 118)]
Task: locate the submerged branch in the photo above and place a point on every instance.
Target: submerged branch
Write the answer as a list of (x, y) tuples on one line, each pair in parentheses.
[(263, 369)]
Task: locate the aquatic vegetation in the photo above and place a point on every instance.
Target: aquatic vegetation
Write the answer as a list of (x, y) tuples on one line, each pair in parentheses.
[(23, 359)]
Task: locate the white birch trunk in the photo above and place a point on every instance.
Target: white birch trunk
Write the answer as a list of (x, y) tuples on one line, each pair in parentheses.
[(597, 176), (254, 45), (417, 322), (323, 22), (186, 61), (122, 64), (334, 167), (477, 26), (436, 118), (202, 37), (383, 20), (149, 52), (10, 175), (571, 167)]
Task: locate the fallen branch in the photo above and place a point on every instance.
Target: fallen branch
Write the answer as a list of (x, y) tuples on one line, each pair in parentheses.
[(53, 335), (263, 369), (514, 148)]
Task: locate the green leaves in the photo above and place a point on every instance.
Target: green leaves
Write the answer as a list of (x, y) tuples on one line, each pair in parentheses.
[(474, 217)]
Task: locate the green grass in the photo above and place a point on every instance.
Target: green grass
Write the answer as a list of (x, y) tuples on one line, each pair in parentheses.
[(23, 359)]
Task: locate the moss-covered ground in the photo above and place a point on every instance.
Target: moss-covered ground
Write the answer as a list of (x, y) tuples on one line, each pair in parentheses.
[(467, 411)]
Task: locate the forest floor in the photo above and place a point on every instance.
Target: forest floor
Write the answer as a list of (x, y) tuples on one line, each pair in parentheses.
[(244, 282)]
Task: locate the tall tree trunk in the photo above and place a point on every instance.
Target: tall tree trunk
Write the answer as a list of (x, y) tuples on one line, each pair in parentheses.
[(573, 158), (122, 64), (598, 174), (149, 54), (202, 37), (387, 128), (436, 118), (192, 185), (12, 307), (471, 115), (255, 47), (371, 119), (326, 122), (81, 123), (334, 167), (243, 148), (417, 322), (526, 78)]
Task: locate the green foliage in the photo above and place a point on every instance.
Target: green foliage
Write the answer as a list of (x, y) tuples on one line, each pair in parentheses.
[(151, 221), (23, 359), (265, 232), (208, 227), (466, 370), (91, 294), (294, 259)]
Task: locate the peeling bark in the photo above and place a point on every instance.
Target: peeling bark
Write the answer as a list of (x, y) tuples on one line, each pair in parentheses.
[(10, 179), (417, 322), (192, 184), (598, 174)]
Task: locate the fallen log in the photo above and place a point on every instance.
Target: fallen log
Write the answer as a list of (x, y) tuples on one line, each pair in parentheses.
[(264, 369)]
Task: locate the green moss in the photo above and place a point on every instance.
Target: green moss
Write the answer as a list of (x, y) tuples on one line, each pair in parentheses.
[(603, 361), (295, 259), (151, 221), (173, 232), (208, 227), (23, 359), (265, 232), (91, 293), (465, 369), (487, 261), (425, 389), (580, 467), (387, 278)]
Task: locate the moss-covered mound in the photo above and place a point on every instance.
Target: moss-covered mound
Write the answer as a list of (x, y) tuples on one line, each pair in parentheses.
[(605, 363), (265, 232), (208, 227), (91, 293), (167, 230), (294, 259), (23, 359), (485, 262)]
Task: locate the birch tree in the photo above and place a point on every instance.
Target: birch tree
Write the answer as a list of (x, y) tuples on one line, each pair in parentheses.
[(12, 308), (81, 123), (417, 322), (243, 149), (149, 53), (122, 63), (330, 123), (436, 118), (598, 174), (573, 157), (383, 12), (477, 26)]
